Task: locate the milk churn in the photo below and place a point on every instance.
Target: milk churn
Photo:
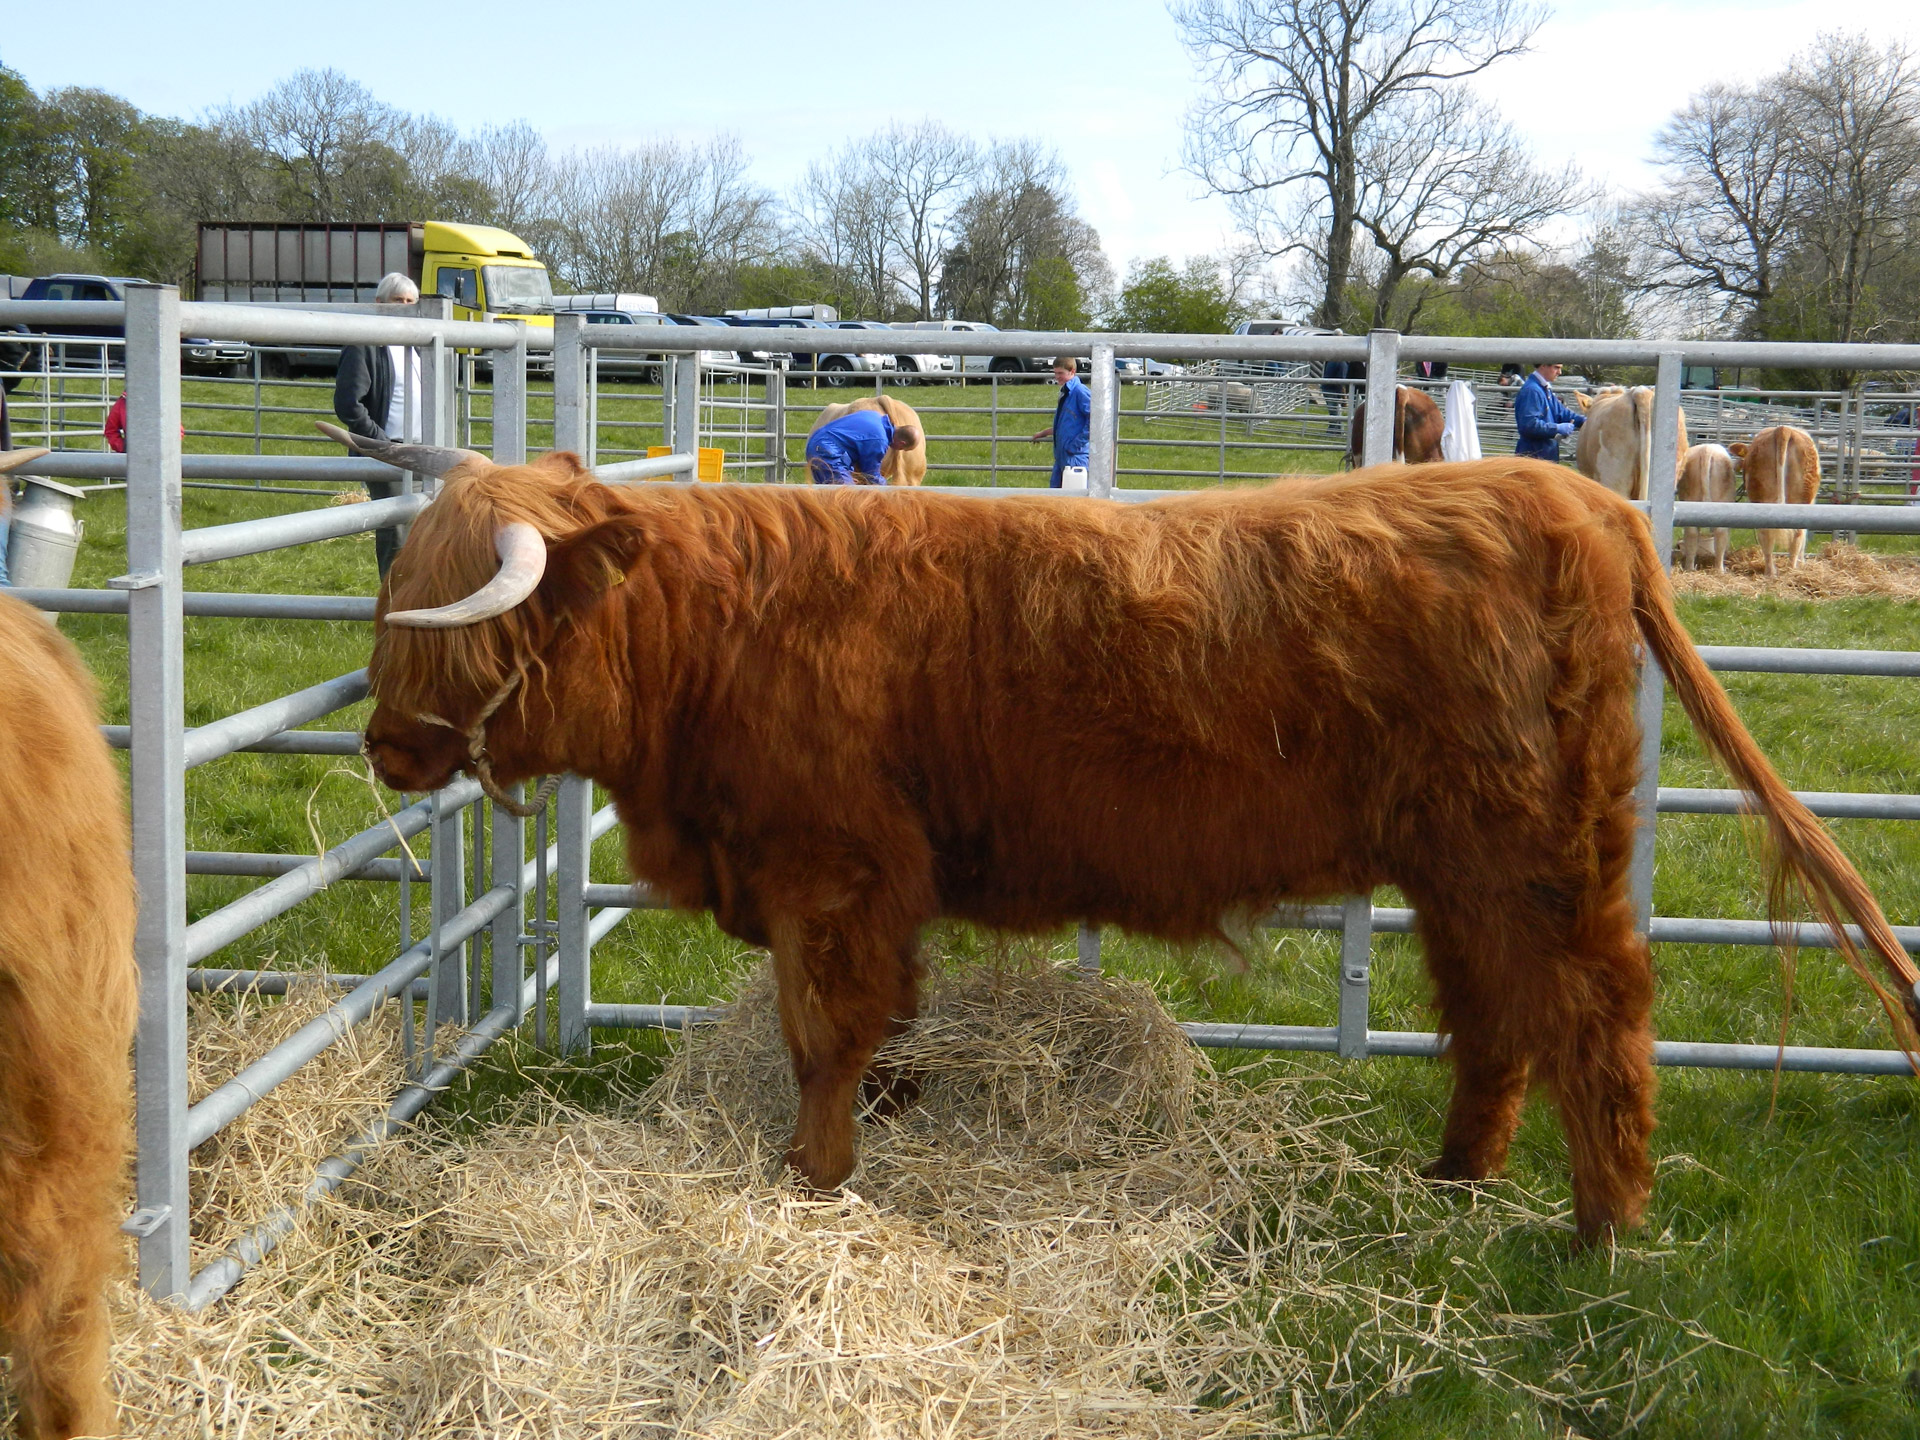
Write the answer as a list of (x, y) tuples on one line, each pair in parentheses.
[(44, 536)]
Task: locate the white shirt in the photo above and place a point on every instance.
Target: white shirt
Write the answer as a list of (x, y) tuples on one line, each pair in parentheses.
[(406, 381)]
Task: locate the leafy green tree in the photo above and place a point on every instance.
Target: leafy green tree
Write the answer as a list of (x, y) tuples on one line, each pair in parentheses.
[(1159, 299)]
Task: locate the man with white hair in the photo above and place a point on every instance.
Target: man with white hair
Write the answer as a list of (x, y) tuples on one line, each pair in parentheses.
[(376, 393)]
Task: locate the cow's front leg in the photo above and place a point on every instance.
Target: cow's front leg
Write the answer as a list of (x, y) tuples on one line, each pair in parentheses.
[(844, 985)]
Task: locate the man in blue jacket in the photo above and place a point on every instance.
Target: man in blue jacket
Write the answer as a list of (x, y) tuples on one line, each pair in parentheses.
[(848, 451), (1072, 420), (1540, 417)]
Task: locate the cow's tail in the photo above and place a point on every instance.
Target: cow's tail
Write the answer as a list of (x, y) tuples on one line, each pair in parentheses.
[(1643, 437), (1803, 860)]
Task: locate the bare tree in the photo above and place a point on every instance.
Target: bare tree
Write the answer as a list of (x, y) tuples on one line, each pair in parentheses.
[(1443, 181), (1021, 257), (511, 161), (847, 215), (1855, 115), (1299, 83), (924, 170), (674, 220), (329, 142), (1732, 196)]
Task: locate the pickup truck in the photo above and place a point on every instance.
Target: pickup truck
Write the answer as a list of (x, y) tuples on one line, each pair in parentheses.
[(228, 357)]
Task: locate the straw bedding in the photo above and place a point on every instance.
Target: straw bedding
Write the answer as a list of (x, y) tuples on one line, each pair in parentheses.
[(1838, 571), (1082, 1230)]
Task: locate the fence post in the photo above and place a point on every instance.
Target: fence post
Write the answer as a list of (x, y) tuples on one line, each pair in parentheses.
[(1665, 459), (1383, 377), (509, 831), (1356, 956), (447, 979), (508, 418), (569, 383), (575, 977), (686, 404), (1103, 445), (157, 706)]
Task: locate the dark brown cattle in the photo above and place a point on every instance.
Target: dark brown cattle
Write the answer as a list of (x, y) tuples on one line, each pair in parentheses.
[(833, 716), (1417, 428), (68, 995)]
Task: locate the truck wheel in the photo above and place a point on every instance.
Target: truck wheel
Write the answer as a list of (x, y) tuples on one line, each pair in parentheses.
[(275, 366), (1005, 365), (835, 370)]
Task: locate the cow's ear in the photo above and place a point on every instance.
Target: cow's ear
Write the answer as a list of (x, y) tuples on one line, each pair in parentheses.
[(563, 465), (1738, 449), (584, 566)]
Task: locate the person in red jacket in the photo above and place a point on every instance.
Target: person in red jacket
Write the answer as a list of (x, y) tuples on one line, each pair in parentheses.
[(116, 426)]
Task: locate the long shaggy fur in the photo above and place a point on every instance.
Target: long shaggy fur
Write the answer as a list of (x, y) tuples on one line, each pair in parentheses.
[(831, 717), (68, 997)]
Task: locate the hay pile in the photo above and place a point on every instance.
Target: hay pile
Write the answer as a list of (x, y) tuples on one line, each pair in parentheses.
[(1839, 571), (1081, 1231)]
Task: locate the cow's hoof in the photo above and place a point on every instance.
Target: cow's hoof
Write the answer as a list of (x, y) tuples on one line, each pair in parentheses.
[(886, 1093), (1448, 1170), (815, 1179)]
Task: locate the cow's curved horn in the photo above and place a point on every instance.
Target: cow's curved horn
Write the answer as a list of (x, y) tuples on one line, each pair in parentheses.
[(523, 560), (433, 460), (14, 459)]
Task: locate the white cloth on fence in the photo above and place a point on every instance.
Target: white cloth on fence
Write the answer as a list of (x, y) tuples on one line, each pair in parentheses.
[(1461, 439)]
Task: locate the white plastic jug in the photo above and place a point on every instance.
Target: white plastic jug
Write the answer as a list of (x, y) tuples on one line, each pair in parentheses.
[(1074, 477)]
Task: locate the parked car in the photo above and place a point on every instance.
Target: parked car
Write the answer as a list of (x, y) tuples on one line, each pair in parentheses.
[(983, 364), (644, 365), (823, 365), (713, 357), (230, 356), (930, 368)]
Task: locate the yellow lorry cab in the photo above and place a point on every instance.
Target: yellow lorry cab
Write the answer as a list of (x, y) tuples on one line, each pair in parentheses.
[(488, 273)]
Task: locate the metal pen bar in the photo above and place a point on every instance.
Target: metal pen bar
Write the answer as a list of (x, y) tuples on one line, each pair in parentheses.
[(1779, 660), (203, 980), (448, 866), (285, 742), (208, 603), (224, 1104), (157, 707), (1830, 804), (277, 532), (574, 842), (656, 467), (264, 865), (341, 469), (251, 726), (219, 1277), (1743, 515), (250, 911)]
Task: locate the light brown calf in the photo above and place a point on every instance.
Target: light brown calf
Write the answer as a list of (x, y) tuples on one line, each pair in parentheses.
[(68, 996), (1708, 473), (1616, 444), (1782, 467), (1418, 427), (900, 467)]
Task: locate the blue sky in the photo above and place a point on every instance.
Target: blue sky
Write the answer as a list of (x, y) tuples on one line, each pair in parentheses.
[(1107, 82)]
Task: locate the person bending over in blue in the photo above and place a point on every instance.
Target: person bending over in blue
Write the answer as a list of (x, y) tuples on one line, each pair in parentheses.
[(848, 451), (1072, 425), (1540, 417)]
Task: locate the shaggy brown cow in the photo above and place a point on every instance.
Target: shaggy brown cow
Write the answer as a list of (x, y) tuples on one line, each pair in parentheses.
[(1782, 466), (1708, 473), (899, 467), (1417, 428), (833, 716), (68, 995)]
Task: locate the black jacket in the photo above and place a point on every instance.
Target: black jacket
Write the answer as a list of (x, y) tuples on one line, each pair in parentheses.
[(363, 389)]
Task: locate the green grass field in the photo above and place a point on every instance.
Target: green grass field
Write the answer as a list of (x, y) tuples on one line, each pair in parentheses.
[(1789, 1236)]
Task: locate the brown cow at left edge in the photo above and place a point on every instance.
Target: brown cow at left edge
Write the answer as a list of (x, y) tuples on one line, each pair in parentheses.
[(831, 717), (68, 998)]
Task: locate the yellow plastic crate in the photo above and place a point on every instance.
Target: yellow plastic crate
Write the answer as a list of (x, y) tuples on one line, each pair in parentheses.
[(707, 463)]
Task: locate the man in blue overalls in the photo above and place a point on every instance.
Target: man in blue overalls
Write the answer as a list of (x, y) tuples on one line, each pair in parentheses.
[(1072, 420), (848, 451), (1540, 417)]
